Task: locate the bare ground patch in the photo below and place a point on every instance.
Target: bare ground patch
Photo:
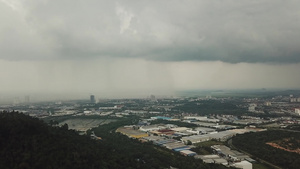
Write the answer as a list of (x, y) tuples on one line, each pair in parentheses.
[(287, 144)]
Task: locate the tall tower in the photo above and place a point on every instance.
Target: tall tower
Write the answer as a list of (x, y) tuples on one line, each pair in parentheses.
[(27, 99), (152, 98), (92, 99)]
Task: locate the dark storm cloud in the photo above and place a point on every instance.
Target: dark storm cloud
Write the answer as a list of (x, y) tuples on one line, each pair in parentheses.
[(194, 30)]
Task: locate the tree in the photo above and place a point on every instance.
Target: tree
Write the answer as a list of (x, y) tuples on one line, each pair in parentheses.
[(189, 142), (65, 126)]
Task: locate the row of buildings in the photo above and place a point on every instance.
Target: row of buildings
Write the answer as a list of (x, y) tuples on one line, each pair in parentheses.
[(166, 135)]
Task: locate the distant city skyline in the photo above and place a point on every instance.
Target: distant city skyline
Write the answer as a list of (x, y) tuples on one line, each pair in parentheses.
[(138, 48)]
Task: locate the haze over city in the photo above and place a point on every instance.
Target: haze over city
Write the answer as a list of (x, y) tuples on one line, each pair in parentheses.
[(137, 48)]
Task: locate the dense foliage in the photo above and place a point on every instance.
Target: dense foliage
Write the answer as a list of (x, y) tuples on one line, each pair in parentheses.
[(206, 107), (294, 127), (27, 142), (178, 123), (255, 144)]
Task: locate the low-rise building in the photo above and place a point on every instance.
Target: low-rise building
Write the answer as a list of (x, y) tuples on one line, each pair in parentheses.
[(163, 132), (188, 153), (204, 130), (176, 146), (151, 128), (221, 161), (297, 111), (222, 136), (195, 139), (180, 129), (243, 165)]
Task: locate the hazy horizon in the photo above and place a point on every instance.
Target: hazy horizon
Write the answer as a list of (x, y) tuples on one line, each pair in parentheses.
[(20, 98)]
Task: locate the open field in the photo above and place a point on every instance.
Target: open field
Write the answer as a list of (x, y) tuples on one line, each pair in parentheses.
[(85, 124)]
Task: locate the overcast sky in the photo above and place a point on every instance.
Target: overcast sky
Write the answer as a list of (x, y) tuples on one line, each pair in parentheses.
[(133, 48)]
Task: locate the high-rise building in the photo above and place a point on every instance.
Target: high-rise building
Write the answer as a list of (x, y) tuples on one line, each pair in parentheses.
[(16, 101), (92, 99), (297, 111), (152, 98), (27, 99)]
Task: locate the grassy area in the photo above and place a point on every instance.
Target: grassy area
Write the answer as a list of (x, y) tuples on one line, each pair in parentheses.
[(260, 166), (272, 125)]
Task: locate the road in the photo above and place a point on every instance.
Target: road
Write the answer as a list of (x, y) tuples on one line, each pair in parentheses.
[(261, 160)]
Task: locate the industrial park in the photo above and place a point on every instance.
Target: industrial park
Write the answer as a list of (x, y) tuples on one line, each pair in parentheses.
[(180, 124)]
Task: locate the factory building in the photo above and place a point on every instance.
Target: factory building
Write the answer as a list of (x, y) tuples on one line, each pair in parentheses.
[(151, 128), (243, 165), (163, 132), (130, 132), (222, 136), (188, 153), (297, 111), (195, 139), (161, 118)]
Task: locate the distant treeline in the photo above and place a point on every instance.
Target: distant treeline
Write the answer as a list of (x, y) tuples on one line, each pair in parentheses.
[(178, 123), (211, 107)]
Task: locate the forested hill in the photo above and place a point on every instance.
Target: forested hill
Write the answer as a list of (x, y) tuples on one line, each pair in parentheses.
[(27, 142), (258, 144)]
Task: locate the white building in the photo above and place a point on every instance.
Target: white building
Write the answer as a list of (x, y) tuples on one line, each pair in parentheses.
[(195, 139), (204, 130), (252, 107), (295, 99), (151, 128), (243, 165), (222, 135), (200, 118), (221, 161), (268, 103), (180, 129), (297, 111)]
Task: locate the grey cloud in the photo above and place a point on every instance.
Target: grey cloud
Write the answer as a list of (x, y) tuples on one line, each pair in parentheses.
[(195, 30)]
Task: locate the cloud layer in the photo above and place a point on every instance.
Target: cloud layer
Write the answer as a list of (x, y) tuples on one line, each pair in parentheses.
[(159, 30), (115, 77)]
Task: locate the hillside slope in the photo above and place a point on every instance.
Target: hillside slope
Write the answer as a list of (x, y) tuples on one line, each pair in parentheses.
[(27, 142)]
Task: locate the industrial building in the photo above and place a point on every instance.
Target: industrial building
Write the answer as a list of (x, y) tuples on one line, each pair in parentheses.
[(153, 138), (204, 130), (180, 129), (188, 153), (195, 139), (151, 128), (163, 132), (233, 155), (205, 124), (161, 118), (243, 165), (175, 145), (164, 141), (297, 111), (130, 132), (222, 136), (221, 161)]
